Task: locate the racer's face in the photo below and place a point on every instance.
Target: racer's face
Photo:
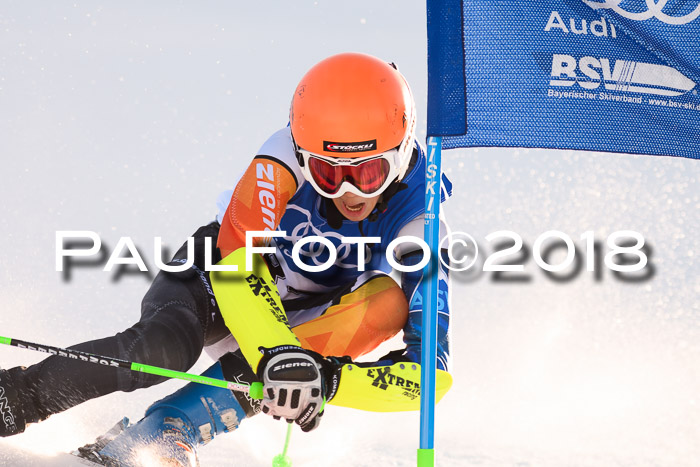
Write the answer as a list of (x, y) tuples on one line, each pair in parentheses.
[(355, 208)]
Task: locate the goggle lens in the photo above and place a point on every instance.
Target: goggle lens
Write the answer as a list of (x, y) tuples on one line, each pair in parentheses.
[(368, 176)]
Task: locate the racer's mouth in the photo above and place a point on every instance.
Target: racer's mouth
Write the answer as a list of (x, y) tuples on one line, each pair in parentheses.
[(355, 207)]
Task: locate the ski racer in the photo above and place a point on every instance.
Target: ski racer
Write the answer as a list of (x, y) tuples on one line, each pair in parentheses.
[(348, 169)]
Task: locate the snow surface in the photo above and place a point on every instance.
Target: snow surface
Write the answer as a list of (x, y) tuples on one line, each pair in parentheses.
[(128, 119)]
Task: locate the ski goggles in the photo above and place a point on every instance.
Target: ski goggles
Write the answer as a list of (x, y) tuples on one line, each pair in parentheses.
[(367, 177)]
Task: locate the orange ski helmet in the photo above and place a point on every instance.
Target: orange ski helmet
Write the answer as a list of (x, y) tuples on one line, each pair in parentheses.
[(348, 109)]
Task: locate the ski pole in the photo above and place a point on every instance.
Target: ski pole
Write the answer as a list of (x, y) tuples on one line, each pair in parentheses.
[(255, 390), (282, 460)]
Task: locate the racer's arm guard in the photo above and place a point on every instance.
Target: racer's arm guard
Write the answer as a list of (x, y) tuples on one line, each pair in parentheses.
[(387, 388), (251, 307)]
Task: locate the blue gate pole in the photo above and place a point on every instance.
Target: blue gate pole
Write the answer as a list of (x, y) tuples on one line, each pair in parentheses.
[(426, 452)]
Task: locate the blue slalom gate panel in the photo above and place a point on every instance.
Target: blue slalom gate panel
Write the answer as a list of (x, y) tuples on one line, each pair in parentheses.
[(600, 75)]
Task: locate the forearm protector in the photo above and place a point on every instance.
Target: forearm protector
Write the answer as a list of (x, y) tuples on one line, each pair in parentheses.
[(251, 307), (389, 388)]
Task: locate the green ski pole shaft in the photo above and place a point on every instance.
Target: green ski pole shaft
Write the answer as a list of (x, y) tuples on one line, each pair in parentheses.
[(255, 390), (282, 460)]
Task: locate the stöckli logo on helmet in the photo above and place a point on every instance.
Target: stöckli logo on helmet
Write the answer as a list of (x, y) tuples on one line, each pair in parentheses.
[(360, 146)]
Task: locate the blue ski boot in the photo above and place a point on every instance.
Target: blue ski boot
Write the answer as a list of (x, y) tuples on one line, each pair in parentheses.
[(175, 426)]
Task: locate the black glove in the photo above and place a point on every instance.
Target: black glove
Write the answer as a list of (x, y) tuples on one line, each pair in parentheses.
[(297, 383)]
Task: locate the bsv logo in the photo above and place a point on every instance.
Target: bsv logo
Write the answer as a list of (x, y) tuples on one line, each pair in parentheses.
[(623, 75), (642, 10)]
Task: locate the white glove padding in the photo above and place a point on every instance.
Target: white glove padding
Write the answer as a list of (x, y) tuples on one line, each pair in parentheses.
[(293, 386)]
